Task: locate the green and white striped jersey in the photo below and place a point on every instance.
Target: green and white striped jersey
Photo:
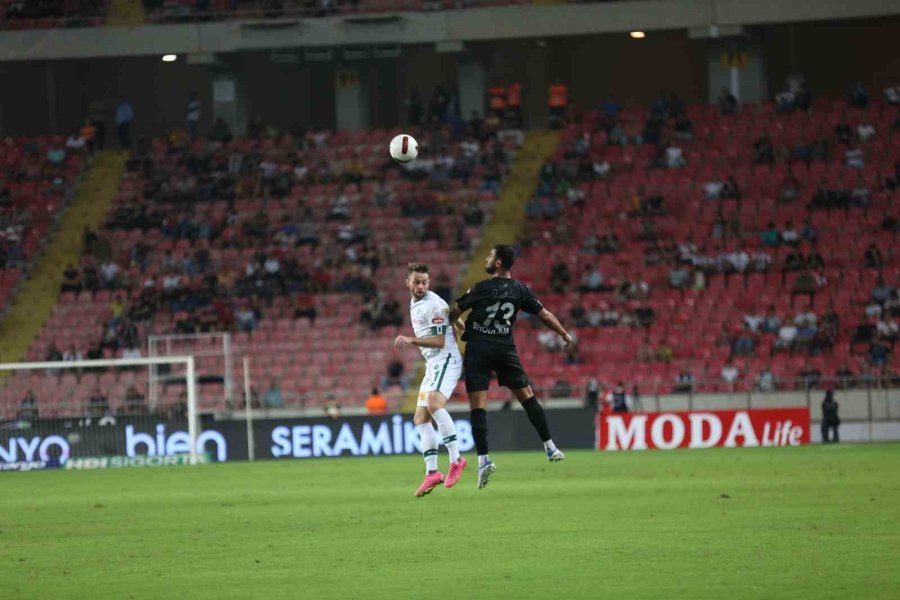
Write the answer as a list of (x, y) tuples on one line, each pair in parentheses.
[(430, 316)]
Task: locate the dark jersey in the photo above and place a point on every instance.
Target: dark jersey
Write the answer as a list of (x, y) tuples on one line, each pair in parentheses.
[(495, 303)]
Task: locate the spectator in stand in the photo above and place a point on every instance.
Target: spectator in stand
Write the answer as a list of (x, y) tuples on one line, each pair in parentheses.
[(28, 407), (76, 143), (192, 118), (845, 376), (98, 404), (793, 261), (71, 354), (684, 382), (549, 342), (878, 354), (787, 335), (806, 284), (728, 104), (273, 398), (873, 258), (892, 93), (394, 376), (810, 376), (765, 381), (665, 353), (592, 280), (790, 235), (763, 151), (679, 278), (771, 323), (771, 237), (71, 279), (560, 277), (858, 96), (124, 119), (592, 394), (712, 190), (808, 232), (134, 401), (785, 101), (376, 404), (814, 261), (744, 342), (619, 399), (855, 158), (132, 351), (830, 419), (578, 314), (865, 132), (729, 373), (245, 317)]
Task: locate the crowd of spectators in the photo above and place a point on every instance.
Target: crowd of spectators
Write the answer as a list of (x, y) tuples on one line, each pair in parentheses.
[(71, 13), (788, 257)]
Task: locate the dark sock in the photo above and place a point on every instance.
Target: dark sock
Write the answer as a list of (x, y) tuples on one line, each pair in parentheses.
[(480, 430), (537, 418)]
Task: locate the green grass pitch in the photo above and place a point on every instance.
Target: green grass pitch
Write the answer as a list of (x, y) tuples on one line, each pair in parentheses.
[(813, 522)]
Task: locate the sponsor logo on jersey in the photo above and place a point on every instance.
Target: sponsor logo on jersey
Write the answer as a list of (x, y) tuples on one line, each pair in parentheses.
[(437, 320)]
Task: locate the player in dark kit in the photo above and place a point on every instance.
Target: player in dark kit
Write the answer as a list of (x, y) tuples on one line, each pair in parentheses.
[(490, 347)]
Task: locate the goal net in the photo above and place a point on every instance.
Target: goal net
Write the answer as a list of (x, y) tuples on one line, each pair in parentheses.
[(75, 413)]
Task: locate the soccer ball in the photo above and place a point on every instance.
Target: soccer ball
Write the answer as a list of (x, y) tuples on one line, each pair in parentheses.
[(404, 148)]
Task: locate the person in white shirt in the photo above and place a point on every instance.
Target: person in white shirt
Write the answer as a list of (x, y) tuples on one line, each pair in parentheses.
[(75, 142), (729, 373), (434, 335), (865, 132), (131, 352), (72, 354), (787, 333), (272, 266), (712, 189), (765, 381), (674, 157), (110, 271), (790, 235)]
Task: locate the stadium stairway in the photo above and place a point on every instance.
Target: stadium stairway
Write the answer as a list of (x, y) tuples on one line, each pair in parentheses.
[(508, 218), (125, 13), (40, 292)]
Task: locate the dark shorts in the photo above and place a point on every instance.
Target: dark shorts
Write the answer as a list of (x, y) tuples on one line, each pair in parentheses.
[(482, 360)]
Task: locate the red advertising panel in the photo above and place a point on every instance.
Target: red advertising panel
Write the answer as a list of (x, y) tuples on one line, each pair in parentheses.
[(703, 429)]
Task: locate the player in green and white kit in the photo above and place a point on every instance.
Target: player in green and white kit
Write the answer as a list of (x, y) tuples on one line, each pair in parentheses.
[(433, 331)]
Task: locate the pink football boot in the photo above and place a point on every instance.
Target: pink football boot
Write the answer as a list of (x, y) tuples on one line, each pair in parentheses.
[(455, 472), (431, 481)]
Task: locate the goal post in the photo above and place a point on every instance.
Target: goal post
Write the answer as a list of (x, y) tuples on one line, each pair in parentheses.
[(58, 368)]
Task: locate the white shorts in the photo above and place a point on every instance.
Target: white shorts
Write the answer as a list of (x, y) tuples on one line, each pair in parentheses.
[(441, 375)]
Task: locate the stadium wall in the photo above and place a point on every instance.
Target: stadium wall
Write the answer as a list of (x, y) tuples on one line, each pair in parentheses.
[(509, 22), (289, 87)]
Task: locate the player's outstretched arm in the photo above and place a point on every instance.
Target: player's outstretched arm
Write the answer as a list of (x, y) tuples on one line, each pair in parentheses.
[(548, 319), (455, 313), (459, 328), (429, 341)]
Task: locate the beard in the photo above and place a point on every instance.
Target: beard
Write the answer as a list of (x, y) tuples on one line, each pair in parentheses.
[(490, 269)]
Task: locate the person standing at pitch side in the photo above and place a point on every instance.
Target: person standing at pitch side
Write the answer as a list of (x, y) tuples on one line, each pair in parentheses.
[(490, 347)]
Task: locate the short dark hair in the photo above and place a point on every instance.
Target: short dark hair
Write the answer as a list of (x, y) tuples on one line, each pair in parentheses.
[(417, 267), (506, 254)]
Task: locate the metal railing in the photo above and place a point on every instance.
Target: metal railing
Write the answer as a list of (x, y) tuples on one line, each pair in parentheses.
[(874, 398)]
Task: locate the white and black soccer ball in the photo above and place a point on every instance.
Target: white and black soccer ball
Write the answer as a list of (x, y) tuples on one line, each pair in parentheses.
[(404, 148)]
